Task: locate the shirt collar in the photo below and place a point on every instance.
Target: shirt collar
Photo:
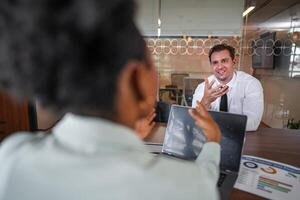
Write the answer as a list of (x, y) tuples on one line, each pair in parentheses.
[(91, 134), (231, 83)]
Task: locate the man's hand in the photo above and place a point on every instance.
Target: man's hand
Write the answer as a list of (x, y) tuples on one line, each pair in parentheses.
[(144, 126), (212, 93), (205, 121)]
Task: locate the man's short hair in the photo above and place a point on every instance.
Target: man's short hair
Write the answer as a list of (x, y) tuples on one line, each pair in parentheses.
[(68, 54), (221, 47)]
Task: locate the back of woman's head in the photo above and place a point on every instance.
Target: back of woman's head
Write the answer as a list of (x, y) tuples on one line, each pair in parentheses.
[(67, 54)]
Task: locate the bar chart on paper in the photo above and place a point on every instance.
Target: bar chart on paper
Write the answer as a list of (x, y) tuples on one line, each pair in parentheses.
[(267, 184), (269, 179)]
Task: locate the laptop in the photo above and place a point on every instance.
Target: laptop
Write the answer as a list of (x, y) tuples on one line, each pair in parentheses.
[(184, 139)]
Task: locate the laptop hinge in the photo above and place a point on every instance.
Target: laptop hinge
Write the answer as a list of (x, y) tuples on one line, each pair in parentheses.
[(228, 171)]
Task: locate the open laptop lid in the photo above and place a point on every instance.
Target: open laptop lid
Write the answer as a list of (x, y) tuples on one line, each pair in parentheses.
[(233, 127), (184, 139)]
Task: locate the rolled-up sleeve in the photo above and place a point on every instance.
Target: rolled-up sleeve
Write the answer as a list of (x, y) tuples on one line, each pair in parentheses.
[(209, 160)]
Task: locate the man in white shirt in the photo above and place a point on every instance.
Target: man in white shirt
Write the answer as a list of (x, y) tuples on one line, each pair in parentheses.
[(230, 90), (88, 59)]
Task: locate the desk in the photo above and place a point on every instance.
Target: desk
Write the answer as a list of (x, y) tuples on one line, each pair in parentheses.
[(282, 145)]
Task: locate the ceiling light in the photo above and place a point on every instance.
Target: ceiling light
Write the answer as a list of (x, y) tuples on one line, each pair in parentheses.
[(248, 10), (158, 32), (159, 19), (250, 6)]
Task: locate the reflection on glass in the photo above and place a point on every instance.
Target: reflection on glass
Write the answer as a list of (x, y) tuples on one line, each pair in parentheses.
[(183, 137)]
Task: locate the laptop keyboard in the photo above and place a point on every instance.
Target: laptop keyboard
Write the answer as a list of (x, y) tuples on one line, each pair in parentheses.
[(221, 179)]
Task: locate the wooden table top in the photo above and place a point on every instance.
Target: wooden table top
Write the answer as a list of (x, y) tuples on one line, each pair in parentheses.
[(282, 145)]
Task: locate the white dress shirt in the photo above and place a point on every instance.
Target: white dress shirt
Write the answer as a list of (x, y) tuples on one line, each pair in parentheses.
[(90, 158), (245, 96)]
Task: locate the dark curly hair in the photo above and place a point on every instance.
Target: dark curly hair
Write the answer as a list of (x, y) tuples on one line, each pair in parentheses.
[(67, 54), (221, 47)]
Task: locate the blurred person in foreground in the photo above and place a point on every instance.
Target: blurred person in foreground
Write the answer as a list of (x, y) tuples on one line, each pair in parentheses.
[(87, 59)]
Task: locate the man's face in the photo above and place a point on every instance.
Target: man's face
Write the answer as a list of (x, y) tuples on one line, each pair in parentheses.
[(223, 66)]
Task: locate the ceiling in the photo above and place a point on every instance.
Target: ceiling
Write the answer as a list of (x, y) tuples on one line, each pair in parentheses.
[(191, 17), (214, 17), (273, 14)]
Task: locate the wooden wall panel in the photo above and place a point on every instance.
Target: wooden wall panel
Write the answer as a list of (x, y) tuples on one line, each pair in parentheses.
[(14, 115)]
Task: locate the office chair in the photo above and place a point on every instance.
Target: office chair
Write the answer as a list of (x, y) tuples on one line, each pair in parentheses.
[(189, 86), (162, 111), (177, 79), (176, 85)]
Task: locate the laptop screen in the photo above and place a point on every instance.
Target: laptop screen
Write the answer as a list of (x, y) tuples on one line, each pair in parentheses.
[(184, 139)]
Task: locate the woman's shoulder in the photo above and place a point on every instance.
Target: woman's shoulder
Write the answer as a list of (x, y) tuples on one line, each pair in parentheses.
[(14, 142)]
